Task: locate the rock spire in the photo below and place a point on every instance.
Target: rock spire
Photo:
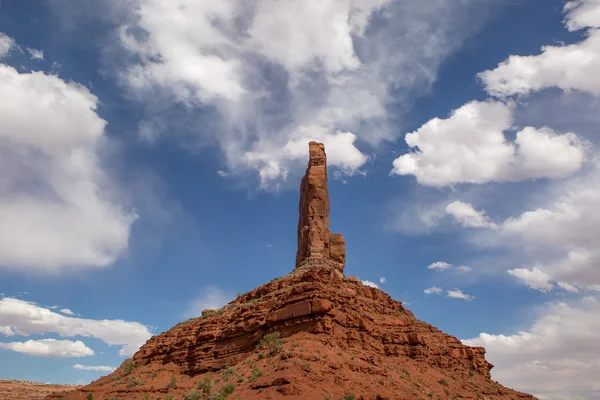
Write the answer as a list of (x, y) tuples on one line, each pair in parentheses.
[(316, 245)]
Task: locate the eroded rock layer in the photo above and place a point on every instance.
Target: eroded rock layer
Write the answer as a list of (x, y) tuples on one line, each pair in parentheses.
[(340, 337)]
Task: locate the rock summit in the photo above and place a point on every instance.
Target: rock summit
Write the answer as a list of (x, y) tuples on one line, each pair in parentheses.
[(312, 334)]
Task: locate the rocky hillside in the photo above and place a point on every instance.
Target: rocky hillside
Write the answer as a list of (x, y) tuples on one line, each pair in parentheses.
[(23, 390), (312, 334)]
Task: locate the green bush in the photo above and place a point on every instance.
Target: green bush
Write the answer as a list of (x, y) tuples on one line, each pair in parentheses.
[(90, 396), (172, 382), (443, 382), (272, 343), (205, 385), (129, 366), (192, 395), (348, 396), (228, 373), (227, 389), (256, 373)]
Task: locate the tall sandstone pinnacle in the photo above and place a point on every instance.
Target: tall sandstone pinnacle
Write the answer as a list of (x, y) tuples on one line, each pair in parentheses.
[(311, 334), (316, 245)]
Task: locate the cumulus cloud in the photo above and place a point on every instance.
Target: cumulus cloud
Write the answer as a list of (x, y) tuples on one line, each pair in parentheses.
[(94, 368), (568, 67), (534, 278), (433, 290), (271, 75), (467, 216), (463, 268), (470, 147), (369, 283), (54, 195), (50, 348), (556, 358), (67, 311), (458, 294), (27, 318), (440, 266), (382, 279), (6, 44), (559, 233), (211, 298)]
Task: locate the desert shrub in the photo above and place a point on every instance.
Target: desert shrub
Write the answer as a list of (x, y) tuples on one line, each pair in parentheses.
[(348, 396), (228, 373), (443, 382), (272, 343), (471, 373), (227, 389), (205, 385), (172, 382), (192, 395), (256, 373), (129, 365), (90, 396)]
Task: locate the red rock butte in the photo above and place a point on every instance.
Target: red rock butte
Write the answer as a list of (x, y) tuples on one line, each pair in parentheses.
[(316, 246), (312, 334)]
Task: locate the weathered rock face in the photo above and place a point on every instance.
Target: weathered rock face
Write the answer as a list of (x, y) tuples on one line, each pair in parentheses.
[(340, 337), (314, 238)]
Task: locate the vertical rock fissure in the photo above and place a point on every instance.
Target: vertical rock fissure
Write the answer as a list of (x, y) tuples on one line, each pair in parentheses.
[(316, 245)]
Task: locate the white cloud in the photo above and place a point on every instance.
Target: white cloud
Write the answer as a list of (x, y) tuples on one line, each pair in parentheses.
[(6, 44), (35, 54), (94, 368), (534, 278), (467, 216), (50, 348), (440, 266), (582, 14), (369, 283), (458, 294), (222, 173), (26, 318), (54, 196), (211, 298), (560, 234), (67, 311), (470, 147), (556, 358), (567, 67), (463, 268), (433, 290), (382, 279), (275, 73)]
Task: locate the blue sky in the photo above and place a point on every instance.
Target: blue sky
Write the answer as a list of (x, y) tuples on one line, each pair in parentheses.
[(151, 153)]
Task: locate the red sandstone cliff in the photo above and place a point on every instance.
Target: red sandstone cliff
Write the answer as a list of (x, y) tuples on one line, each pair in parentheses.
[(312, 334)]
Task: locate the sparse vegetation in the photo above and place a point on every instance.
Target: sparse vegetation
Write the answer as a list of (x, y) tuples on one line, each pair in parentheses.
[(227, 389), (443, 382), (205, 385), (132, 382), (129, 366), (471, 373), (90, 396), (348, 396), (172, 382), (192, 395), (256, 373), (228, 373), (272, 343)]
